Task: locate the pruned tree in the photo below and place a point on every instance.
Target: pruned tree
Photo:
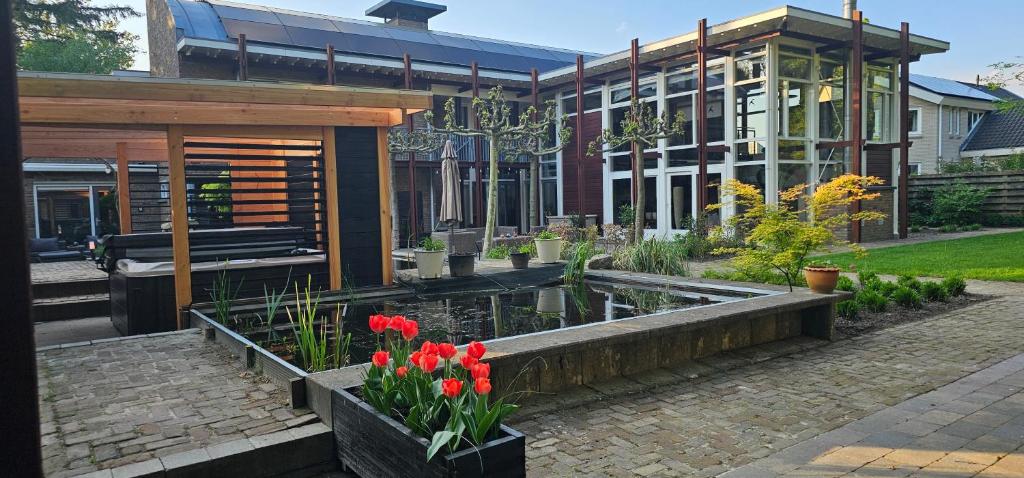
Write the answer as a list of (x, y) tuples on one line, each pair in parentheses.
[(529, 136), (641, 129), (1007, 73)]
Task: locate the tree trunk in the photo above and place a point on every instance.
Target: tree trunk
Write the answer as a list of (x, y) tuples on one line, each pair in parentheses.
[(492, 195), (638, 209), (534, 185)]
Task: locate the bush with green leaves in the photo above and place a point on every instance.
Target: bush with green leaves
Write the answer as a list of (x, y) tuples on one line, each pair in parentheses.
[(653, 256), (432, 245), (954, 286), (905, 280), (934, 292), (576, 266), (761, 277), (906, 297), (499, 251), (848, 309), (872, 300), (866, 279), (845, 284), (958, 204)]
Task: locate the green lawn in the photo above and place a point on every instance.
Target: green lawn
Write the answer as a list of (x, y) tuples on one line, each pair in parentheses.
[(997, 257)]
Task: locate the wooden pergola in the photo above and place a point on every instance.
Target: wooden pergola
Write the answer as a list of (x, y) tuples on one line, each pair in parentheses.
[(183, 108)]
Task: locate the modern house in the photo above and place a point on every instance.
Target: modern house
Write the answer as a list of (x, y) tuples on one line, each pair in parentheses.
[(778, 98), (950, 120)]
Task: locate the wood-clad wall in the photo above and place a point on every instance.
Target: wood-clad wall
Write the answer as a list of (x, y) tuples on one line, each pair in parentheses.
[(359, 205), (593, 178)]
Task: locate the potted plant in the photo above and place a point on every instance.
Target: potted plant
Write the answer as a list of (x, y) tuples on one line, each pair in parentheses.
[(420, 414), (821, 276), (430, 258), (520, 257), (549, 247), (461, 264)]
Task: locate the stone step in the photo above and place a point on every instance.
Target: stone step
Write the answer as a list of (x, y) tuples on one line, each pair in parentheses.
[(71, 307), (50, 290)]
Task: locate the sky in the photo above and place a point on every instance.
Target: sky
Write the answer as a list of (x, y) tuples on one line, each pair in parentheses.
[(980, 32)]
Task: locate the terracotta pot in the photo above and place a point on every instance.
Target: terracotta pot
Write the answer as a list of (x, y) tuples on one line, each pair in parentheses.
[(821, 279)]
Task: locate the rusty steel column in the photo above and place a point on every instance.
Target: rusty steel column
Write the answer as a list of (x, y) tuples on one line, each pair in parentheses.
[(331, 78), (904, 180), (702, 114), (636, 154), (856, 110), (243, 58), (535, 175), (414, 218), (579, 137), (478, 152)]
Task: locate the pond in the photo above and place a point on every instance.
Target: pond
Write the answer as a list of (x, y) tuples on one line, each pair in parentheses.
[(491, 314)]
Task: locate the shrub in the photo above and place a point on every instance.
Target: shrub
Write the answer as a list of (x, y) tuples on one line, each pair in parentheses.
[(915, 228), (933, 291), (866, 279), (954, 286), (909, 281), (845, 284), (433, 245), (760, 277), (577, 264), (545, 235), (848, 309), (652, 256), (971, 227), (885, 288), (906, 297), (948, 228), (958, 204), (872, 300), (500, 251)]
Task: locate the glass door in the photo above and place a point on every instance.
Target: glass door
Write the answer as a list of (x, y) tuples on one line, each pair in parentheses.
[(682, 201)]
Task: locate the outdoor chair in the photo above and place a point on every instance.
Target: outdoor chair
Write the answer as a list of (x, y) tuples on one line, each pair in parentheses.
[(51, 249)]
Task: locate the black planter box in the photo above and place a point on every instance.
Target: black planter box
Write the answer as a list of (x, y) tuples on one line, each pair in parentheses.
[(374, 445)]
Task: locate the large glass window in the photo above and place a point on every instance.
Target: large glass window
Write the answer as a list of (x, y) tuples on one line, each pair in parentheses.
[(683, 104), (831, 98), (681, 197), (622, 196), (878, 103), (751, 117)]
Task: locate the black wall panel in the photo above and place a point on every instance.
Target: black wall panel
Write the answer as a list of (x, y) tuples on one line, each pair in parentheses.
[(359, 205)]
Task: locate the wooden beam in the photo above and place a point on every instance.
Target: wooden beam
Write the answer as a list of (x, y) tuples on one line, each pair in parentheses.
[(332, 72), (179, 222), (384, 176), (310, 133), (201, 91), (243, 58), (904, 145), (333, 216), (124, 203), (39, 110), (856, 109)]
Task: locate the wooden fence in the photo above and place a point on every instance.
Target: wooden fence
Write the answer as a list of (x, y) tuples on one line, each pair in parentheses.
[(1006, 189)]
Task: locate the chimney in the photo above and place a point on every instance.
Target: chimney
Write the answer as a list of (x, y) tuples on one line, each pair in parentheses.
[(848, 7), (406, 13)]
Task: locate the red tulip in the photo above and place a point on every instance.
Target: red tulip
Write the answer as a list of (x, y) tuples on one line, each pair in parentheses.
[(381, 358), (410, 329), (415, 358), (396, 323), (428, 362), (476, 350), (446, 350), (482, 386), (379, 323), (401, 371), (468, 362), (481, 370), (429, 348), (451, 387)]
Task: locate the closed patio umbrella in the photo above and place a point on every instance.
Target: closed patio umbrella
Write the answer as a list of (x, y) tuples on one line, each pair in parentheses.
[(451, 190)]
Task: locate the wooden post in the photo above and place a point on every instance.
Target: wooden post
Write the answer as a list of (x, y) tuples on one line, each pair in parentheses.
[(904, 180), (636, 154), (179, 221), (856, 110), (579, 138), (702, 114), (384, 173), (124, 202), (331, 73), (414, 206), (478, 152), (19, 414), (243, 58), (330, 159), (535, 171)]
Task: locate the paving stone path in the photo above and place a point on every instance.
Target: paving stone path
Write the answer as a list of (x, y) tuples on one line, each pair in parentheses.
[(66, 271), (710, 425), (971, 427), (130, 400)]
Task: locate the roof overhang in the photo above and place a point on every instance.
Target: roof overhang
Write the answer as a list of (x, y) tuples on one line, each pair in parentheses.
[(782, 21), (950, 100), (57, 98)]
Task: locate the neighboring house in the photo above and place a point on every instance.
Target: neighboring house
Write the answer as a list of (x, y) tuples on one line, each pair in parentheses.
[(947, 115), (790, 60)]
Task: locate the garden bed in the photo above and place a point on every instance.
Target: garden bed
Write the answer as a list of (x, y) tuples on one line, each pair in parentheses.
[(870, 321)]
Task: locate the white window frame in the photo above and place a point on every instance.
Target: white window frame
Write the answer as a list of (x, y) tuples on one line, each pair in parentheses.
[(915, 111), (977, 116), (69, 186)]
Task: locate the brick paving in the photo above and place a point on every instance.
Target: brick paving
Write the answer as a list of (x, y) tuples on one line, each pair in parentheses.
[(971, 427), (678, 425), (130, 400), (66, 271)]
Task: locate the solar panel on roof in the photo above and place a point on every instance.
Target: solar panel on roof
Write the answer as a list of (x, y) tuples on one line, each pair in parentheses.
[(313, 23), (374, 46), (360, 29), (257, 31), (425, 52), (410, 35), (495, 47), (535, 53), (246, 14), (311, 38)]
